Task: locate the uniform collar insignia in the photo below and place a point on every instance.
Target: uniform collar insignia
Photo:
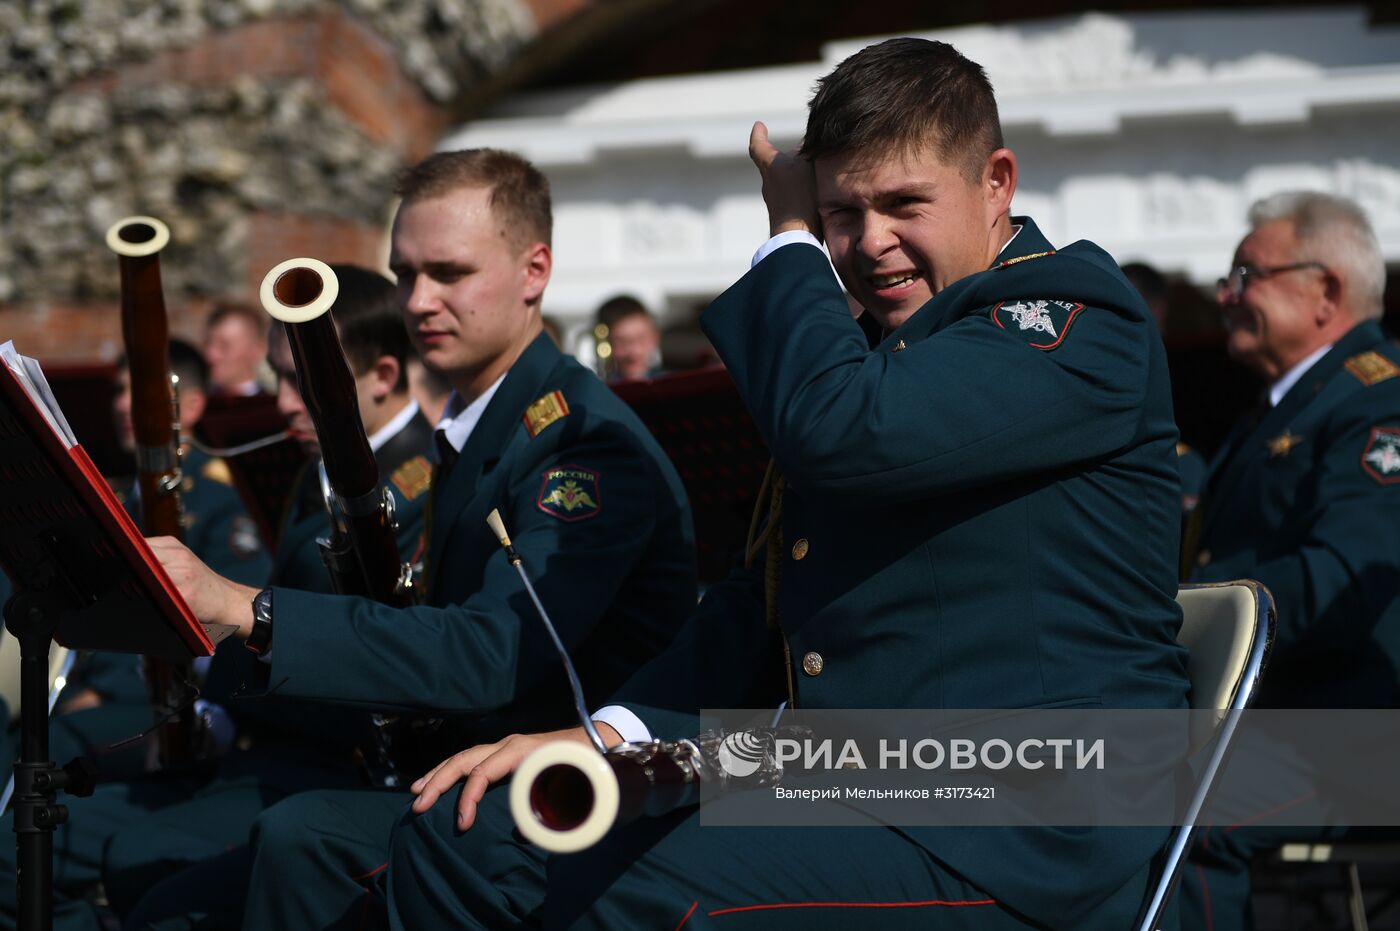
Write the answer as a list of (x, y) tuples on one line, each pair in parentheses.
[(1283, 444), (1005, 263)]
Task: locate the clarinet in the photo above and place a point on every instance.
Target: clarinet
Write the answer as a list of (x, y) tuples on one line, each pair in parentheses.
[(137, 241), (362, 552)]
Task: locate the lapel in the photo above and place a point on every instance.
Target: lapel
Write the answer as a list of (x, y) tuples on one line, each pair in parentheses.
[(415, 439), (1248, 452), (953, 302), (523, 385)]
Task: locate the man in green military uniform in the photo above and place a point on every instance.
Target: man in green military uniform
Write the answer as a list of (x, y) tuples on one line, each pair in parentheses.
[(593, 505), (140, 831), (980, 510), (1305, 494)]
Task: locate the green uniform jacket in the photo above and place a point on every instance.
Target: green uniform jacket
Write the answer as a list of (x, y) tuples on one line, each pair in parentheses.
[(1307, 501), (403, 466), (982, 512), (612, 557)]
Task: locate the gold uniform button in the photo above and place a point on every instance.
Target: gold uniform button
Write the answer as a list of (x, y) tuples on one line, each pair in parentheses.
[(1203, 559), (799, 552), (812, 663)]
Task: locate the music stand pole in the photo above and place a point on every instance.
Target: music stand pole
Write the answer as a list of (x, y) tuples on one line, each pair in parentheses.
[(31, 619)]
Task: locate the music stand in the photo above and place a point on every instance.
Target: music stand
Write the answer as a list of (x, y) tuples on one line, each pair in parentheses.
[(83, 576)]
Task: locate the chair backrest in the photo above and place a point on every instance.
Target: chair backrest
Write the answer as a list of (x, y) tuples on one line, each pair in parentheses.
[(1218, 627), (1227, 629)]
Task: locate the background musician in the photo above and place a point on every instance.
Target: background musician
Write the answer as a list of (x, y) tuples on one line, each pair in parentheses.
[(593, 504), (235, 346), (1305, 497), (634, 337)]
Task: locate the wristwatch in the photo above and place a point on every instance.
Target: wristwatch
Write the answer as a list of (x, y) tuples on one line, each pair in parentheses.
[(260, 640)]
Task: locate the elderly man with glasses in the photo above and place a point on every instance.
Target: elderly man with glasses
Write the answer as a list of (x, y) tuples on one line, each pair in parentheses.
[(1305, 497)]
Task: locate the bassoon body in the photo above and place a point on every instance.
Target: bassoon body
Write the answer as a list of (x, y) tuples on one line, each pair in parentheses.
[(362, 553), (566, 796), (137, 241)]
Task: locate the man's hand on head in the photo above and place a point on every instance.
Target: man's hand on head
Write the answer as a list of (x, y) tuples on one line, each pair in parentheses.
[(211, 597), (789, 186)]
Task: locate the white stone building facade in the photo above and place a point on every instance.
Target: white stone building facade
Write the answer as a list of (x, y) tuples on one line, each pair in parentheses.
[(1149, 134)]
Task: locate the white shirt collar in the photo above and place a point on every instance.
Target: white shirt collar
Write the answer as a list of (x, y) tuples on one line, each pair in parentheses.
[(1290, 377), (1016, 231), (387, 432), (459, 420)]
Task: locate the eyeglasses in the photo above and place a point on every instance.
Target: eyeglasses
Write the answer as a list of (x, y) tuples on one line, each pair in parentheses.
[(1240, 276)]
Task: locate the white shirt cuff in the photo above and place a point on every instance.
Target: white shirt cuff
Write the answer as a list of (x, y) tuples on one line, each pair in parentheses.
[(628, 726), (783, 239)]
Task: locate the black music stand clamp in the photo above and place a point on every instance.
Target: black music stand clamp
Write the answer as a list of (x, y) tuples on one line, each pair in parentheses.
[(31, 618)]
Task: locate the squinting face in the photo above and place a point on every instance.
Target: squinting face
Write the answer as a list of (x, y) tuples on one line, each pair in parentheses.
[(468, 295), (1272, 324), (902, 228)]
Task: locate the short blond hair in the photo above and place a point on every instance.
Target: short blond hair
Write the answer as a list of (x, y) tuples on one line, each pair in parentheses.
[(519, 191)]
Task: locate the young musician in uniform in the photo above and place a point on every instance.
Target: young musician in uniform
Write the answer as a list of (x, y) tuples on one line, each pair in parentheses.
[(592, 503), (979, 510)]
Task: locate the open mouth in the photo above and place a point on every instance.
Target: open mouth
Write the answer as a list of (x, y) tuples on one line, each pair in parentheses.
[(894, 284)]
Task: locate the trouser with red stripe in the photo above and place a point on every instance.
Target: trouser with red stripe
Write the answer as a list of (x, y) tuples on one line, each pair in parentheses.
[(317, 857), (672, 872), (1249, 817)]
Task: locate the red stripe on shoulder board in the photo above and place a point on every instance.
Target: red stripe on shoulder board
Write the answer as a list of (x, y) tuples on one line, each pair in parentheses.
[(931, 903)]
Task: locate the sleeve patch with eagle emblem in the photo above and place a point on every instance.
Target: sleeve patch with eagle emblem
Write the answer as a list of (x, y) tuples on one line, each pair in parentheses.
[(1045, 324), (1381, 457), (570, 493)]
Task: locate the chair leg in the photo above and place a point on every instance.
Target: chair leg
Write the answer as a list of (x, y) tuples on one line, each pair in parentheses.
[(1356, 902)]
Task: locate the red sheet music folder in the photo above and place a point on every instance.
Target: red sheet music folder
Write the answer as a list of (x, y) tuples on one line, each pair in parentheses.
[(63, 531)]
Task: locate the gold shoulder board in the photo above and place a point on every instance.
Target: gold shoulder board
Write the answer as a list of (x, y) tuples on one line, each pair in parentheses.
[(1371, 367), (545, 411), (413, 477), (216, 470)]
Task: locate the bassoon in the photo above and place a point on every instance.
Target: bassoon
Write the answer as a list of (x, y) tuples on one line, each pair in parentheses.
[(566, 796), (137, 241), (362, 552)]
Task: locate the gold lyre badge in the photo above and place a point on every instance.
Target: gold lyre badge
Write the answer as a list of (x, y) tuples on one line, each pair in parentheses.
[(1283, 444)]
